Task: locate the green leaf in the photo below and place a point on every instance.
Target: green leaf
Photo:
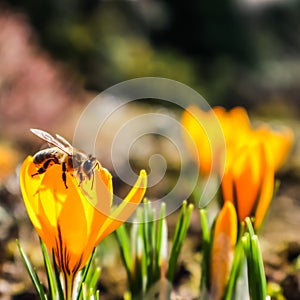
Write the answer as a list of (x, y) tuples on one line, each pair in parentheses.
[(49, 271), (149, 250), (57, 277), (138, 276), (33, 275), (92, 283), (97, 295), (125, 247), (256, 273), (85, 274), (148, 239), (206, 249), (89, 291), (179, 236), (161, 242), (236, 270)]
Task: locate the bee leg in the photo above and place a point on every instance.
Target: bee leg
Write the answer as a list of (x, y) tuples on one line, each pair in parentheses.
[(81, 179), (64, 176), (43, 168), (93, 180), (93, 176)]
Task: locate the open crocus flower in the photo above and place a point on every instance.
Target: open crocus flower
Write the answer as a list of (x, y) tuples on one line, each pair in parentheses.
[(224, 141), (222, 251), (72, 221), (248, 181)]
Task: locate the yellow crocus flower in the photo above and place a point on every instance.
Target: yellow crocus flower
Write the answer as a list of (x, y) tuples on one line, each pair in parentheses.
[(249, 156), (72, 221)]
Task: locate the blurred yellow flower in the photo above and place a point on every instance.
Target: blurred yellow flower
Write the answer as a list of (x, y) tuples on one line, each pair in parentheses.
[(8, 161), (248, 181), (72, 221), (248, 156), (209, 130), (224, 241)]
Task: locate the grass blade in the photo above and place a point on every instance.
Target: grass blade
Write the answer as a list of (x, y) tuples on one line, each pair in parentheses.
[(60, 291), (84, 276), (33, 275), (206, 249), (161, 242), (256, 273), (124, 247), (49, 271), (179, 235)]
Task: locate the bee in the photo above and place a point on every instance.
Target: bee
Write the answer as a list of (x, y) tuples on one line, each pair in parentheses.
[(63, 153)]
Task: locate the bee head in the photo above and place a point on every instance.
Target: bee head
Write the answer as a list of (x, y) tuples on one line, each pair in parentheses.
[(89, 165)]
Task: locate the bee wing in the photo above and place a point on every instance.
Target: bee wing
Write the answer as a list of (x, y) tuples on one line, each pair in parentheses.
[(51, 140), (63, 140)]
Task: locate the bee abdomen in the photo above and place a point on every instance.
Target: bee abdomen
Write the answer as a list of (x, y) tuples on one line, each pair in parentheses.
[(44, 155)]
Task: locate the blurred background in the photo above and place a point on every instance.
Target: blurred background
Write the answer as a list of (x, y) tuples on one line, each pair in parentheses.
[(55, 56)]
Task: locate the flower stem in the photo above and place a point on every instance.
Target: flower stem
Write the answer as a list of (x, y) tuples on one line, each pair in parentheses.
[(68, 286)]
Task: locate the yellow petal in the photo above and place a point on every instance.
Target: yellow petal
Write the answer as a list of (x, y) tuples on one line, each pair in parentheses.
[(225, 235), (29, 187), (247, 173), (196, 137), (100, 196), (278, 143), (235, 125), (266, 192), (240, 118), (204, 138), (227, 179), (66, 211), (126, 208)]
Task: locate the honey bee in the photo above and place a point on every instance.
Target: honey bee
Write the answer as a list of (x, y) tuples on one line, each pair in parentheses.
[(71, 159)]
